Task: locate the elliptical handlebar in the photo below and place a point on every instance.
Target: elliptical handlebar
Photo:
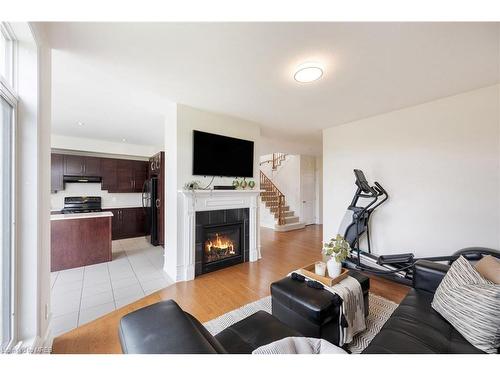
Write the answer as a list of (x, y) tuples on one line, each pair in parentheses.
[(380, 189)]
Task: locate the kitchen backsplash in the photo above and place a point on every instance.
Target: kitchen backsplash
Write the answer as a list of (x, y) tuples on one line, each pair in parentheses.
[(109, 200)]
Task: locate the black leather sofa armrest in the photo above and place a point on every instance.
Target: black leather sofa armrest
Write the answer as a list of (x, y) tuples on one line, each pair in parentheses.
[(476, 253), (427, 275), (164, 328)]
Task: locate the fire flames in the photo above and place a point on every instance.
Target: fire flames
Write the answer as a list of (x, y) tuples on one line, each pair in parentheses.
[(221, 245)]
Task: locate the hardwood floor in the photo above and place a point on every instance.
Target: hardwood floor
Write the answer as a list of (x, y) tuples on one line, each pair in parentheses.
[(216, 293)]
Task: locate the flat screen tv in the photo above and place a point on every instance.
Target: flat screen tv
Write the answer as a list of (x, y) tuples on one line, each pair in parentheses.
[(217, 155)]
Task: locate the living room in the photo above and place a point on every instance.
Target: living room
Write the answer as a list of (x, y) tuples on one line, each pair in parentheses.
[(251, 188)]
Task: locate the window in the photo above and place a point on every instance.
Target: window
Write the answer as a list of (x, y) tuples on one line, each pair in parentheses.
[(3, 55), (7, 133), (6, 221), (6, 54)]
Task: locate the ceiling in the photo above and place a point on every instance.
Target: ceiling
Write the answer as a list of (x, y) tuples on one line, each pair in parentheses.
[(117, 77)]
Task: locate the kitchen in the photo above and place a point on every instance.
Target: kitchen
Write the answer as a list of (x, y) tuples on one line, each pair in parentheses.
[(107, 232)]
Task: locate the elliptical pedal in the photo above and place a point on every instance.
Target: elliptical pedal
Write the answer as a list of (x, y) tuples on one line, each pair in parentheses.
[(394, 259)]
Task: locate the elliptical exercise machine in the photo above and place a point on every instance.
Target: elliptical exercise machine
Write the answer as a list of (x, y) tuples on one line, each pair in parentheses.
[(397, 267)]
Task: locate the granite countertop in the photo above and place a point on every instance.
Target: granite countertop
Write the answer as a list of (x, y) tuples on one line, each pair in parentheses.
[(85, 215)]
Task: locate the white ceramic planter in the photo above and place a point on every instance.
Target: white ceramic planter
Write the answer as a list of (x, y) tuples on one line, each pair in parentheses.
[(334, 267)]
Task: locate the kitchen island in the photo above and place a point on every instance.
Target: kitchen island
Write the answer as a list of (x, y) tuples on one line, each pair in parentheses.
[(80, 239)]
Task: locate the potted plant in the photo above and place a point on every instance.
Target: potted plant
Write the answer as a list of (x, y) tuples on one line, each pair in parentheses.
[(337, 250)]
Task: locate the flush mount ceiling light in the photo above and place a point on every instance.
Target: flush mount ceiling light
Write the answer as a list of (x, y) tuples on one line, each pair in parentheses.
[(124, 140), (308, 72), (79, 123)]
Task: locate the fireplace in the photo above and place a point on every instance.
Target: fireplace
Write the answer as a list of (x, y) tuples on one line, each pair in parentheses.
[(221, 239)]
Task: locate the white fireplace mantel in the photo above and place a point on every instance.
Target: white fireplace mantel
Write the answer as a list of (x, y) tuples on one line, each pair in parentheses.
[(193, 201)]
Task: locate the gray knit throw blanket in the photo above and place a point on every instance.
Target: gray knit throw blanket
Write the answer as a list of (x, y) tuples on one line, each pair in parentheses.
[(353, 307)]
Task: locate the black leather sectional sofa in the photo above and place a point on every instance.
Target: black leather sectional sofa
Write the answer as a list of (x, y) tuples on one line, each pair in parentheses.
[(164, 328), (414, 327)]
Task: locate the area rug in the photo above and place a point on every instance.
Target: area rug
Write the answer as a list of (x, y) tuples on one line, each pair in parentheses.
[(380, 310)]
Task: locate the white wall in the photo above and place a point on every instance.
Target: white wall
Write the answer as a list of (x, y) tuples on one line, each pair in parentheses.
[(189, 119), (319, 189), (44, 124), (171, 197), (439, 162), (99, 146), (108, 200), (266, 218), (269, 145)]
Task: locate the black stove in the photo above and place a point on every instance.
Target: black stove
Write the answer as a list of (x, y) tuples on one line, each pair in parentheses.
[(73, 205)]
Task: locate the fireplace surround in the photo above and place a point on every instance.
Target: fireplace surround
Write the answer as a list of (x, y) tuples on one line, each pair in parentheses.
[(222, 239), (191, 202)]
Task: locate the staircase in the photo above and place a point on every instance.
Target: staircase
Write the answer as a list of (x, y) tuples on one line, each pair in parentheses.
[(275, 201)]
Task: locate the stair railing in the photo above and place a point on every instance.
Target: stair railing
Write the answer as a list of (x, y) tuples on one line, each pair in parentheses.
[(276, 160), (270, 186)]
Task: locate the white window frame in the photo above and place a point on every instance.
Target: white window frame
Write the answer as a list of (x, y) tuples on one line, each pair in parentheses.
[(8, 79), (9, 94)]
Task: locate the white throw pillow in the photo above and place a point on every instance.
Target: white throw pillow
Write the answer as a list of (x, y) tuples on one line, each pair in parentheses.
[(299, 345), (471, 304)]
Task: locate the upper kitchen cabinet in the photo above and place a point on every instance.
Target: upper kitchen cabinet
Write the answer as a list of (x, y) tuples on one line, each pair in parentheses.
[(140, 175), (75, 165), (156, 164), (57, 167), (125, 176), (131, 175), (92, 166), (109, 174), (118, 175)]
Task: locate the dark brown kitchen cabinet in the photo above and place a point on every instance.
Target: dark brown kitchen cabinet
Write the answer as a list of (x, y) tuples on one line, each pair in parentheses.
[(128, 222), (134, 222), (57, 172), (76, 165), (140, 175), (109, 175), (115, 224), (92, 166), (73, 165), (125, 176), (131, 175), (156, 170), (118, 175)]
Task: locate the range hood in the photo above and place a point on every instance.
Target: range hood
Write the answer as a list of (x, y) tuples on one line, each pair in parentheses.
[(83, 179)]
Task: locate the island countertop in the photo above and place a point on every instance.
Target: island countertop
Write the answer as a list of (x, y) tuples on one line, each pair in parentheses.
[(83, 215)]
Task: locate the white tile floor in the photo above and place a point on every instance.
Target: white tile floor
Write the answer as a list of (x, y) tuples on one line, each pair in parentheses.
[(80, 295)]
